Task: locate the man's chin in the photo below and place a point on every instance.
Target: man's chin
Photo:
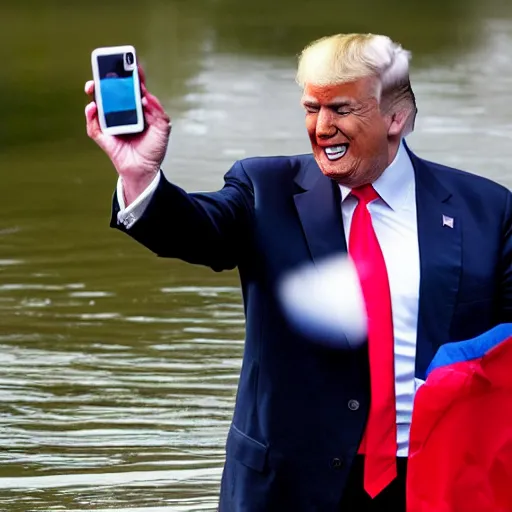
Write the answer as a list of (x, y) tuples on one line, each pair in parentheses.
[(340, 171)]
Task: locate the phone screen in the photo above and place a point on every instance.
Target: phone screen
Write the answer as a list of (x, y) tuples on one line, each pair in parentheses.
[(117, 88)]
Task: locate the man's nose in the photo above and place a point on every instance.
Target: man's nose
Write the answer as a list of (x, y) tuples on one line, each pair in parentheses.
[(325, 127)]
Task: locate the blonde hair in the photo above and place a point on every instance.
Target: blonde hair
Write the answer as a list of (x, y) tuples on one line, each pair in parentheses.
[(347, 57)]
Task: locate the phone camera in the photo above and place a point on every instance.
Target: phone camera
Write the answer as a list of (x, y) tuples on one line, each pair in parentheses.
[(130, 58)]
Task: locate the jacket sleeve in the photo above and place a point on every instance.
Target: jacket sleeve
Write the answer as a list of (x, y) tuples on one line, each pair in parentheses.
[(212, 229), (505, 286)]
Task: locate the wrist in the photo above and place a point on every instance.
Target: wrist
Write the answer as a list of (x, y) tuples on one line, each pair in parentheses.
[(135, 185)]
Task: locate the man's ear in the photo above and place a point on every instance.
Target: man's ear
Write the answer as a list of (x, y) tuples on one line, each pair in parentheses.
[(398, 120)]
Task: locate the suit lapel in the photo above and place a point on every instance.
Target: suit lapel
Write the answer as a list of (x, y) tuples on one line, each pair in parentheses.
[(319, 208), (440, 247)]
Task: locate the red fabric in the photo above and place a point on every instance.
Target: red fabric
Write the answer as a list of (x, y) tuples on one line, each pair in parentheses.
[(379, 442), (460, 455)]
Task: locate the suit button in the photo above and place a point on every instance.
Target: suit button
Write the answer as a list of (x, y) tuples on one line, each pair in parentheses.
[(337, 463), (353, 405)]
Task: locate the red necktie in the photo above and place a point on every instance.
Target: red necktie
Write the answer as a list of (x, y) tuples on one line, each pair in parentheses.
[(379, 441)]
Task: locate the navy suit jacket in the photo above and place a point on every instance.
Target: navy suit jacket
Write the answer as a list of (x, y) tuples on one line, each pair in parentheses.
[(301, 407)]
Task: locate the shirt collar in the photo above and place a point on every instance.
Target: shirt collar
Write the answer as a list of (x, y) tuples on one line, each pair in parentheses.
[(394, 184)]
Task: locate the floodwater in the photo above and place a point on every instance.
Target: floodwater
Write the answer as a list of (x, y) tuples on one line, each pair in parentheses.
[(118, 369)]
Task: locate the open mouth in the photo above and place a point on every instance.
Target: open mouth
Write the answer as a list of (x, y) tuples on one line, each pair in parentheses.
[(336, 152)]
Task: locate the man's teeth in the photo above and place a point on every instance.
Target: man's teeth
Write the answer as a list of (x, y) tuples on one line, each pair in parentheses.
[(336, 152)]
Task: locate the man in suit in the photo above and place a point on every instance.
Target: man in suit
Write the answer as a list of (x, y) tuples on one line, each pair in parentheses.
[(319, 428)]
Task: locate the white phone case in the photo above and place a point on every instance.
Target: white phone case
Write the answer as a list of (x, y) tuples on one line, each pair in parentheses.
[(117, 122)]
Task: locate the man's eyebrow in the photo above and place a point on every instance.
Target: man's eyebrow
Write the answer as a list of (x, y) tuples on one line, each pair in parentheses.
[(335, 103)]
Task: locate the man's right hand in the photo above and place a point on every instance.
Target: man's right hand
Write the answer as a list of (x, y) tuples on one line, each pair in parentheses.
[(137, 158)]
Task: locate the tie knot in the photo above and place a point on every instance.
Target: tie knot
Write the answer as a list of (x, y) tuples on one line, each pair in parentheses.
[(366, 193)]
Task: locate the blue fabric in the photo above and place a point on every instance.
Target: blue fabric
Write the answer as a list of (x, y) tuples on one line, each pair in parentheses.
[(468, 350), (117, 94), (301, 408)]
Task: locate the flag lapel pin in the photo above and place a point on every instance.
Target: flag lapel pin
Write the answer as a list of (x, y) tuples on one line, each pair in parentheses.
[(447, 221)]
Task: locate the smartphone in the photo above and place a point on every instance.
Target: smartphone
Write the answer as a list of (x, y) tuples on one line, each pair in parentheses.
[(117, 90)]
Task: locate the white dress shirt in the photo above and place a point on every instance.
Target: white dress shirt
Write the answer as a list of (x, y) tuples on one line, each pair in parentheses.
[(394, 220), (128, 216), (395, 224)]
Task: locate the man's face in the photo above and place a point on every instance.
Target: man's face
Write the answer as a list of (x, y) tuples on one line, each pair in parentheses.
[(348, 133)]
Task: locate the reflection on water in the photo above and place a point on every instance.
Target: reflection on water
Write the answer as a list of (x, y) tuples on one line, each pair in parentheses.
[(118, 369), (108, 416)]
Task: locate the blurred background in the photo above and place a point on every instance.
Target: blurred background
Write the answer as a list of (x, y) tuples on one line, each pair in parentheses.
[(118, 369)]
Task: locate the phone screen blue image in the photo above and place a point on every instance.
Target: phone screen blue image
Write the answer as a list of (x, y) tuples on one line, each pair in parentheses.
[(117, 91)]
